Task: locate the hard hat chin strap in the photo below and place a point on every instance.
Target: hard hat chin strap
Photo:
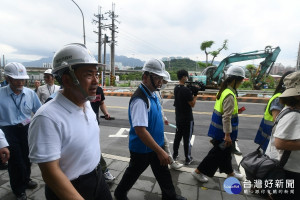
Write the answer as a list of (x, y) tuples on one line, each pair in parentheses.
[(77, 83), (152, 82)]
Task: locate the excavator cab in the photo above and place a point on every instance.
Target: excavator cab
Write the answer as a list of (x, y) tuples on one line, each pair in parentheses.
[(216, 75)]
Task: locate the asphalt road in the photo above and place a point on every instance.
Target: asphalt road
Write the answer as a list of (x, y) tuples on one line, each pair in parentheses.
[(114, 133)]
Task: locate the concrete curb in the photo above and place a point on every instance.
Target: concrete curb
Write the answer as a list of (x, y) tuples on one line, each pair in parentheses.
[(199, 97)]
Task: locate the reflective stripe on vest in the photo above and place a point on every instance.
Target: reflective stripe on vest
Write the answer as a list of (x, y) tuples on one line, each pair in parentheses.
[(266, 125), (216, 127)]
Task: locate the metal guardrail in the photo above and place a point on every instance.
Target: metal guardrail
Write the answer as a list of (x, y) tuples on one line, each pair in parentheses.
[(258, 93)]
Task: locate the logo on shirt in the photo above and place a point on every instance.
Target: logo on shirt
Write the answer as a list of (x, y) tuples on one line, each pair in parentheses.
[(98, 98)]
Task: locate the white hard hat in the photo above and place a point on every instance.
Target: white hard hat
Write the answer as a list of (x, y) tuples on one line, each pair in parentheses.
[(70, 55), (16, 71), (155, 66), (48, 71), (235, 71), (167, 77)]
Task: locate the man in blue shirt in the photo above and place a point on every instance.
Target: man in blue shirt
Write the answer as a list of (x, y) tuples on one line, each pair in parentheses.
[(146, 135), (16, 105)]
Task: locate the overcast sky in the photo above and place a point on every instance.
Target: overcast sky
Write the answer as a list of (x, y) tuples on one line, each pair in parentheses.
[(32, 29)]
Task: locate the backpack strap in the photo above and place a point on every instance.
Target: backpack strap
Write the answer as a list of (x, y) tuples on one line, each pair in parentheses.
[(286, 154)]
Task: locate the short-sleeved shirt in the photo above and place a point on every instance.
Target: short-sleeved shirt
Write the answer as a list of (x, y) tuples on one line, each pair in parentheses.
[(276, 105), (62, 130), (45, 91), (99, 98), (183, 110), (3, 142), (287, 129), (15, 109)]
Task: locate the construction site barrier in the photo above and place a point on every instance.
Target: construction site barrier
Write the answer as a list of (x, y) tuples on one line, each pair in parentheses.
[(199, 97)]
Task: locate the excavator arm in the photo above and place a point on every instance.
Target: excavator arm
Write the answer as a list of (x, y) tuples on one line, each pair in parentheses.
[(270, 55)]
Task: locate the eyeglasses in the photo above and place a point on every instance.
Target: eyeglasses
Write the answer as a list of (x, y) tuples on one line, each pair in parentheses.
[(157, 78), (47, 76)]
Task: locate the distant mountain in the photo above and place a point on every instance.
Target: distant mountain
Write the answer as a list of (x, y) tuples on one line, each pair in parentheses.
[(132, 62), (123, 61), (38, 63)]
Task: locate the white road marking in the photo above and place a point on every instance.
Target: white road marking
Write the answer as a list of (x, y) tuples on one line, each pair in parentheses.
[(120, 133)]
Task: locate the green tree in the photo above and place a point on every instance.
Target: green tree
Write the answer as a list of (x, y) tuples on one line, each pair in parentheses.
[(270, 81), (217, 52), (204, 46), (252, 71), (207, 44)]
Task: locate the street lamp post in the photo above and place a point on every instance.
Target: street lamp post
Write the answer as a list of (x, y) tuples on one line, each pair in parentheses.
[(196, 65), (82, 21)]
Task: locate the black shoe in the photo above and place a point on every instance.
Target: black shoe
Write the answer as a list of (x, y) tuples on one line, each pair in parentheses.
[(3, 166), (31, 184), (236, 152), (188, 162), (21, 196)]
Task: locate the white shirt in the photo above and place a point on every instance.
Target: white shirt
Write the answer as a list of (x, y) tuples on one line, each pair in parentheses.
[(288, 129), (62, 130), (45, 91), (139, 112), (3, 142)]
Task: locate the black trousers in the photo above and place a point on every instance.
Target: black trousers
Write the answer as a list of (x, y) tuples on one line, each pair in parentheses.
[(19, 166), (91, 186), (296, 196), (137, 165), (184, 130), (216, 159)]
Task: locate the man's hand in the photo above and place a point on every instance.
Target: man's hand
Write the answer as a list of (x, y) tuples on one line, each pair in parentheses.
[(5, 154), (107, 116), (194, 90), (163, 158), (227, 139), (166, 122)]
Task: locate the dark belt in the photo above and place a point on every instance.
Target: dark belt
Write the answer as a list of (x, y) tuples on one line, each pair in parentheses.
[(92, 173), (19, 125)]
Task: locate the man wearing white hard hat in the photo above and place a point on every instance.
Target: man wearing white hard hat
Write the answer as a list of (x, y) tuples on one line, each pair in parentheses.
[(64, 133), (45, 91), (16, 105), (146, 135)]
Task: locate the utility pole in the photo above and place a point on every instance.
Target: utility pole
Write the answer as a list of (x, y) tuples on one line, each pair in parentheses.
[(3, 61), (112, 44), (104, 56), (298, 59), (99, 17)]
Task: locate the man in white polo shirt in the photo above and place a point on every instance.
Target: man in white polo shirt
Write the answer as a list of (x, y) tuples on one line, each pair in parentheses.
[(4, 152), (45, 91), (64, 133)]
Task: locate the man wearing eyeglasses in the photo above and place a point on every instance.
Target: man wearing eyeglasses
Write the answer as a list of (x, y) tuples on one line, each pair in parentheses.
[(16, 106), (146, 135), (45, 91)]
